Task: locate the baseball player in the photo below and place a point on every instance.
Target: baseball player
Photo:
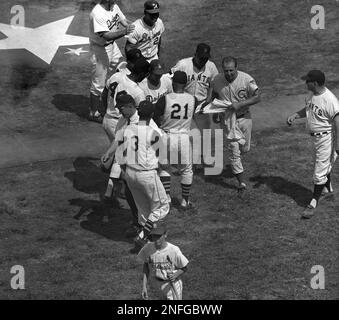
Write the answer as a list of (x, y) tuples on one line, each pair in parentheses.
[(140, 141), (322, 114), (241, 90), (131, 57), (118, 83), (174, 113), (157, 84), (107, 23), (200, 72), (147, 33), (164, 264)]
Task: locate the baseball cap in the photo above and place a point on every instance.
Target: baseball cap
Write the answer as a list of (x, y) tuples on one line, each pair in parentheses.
[(141, 65), (203, 50), (146, 108), (156, 67), (159, 230), (179, 77), (315, 75), (133, 55), (123, 99), (151, 6)]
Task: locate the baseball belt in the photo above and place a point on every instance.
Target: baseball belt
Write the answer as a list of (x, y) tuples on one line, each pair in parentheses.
[(317, 134)]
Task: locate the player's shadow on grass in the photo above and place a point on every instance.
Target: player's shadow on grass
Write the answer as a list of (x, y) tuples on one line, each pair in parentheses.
[(280, 185), (102, 219), (218, 179), (73, 103)]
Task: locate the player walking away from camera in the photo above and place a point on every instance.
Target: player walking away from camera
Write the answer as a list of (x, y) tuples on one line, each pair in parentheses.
[(118, 83), (131, 57), (200, 72), (174, 113), (241, 90), (147, 33), (322, 114), (157, 84), (107, 23), (164, 265), (142, 140)]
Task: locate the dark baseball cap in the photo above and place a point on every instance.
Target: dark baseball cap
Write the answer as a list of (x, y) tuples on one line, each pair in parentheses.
[(151, 7), (180, 77), (159, 229), (315, 75), (146, 108), (133, 55), (141, 65), (123, 100), (203, 50), (156, 67)]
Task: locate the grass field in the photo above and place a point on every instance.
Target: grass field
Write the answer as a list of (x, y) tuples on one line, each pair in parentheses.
[(254, 247)]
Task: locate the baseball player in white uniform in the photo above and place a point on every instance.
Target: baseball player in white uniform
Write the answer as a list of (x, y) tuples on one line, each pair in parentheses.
[(157, 84), (107, 23), (138, 146), (322, 114), (147, 33), (174, 113), (241, 90), (200, 72), (120, 82), (164, 264)]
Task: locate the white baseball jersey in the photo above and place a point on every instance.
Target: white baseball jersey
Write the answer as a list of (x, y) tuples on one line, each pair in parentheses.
[(102, 20), (119, 82), (177, 110), (321, 110), (147, 38), (242, 88), (198, 80), (164, 261), (154, 93), (140, 145)]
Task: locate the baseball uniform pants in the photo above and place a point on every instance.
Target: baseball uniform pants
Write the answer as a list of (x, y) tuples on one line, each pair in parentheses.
[(148, 193), (104, 59), (325, 156), (235, 149), (165, 289), (179, 155)]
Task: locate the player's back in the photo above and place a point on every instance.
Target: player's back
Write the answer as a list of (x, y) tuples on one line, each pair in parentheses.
[(178, 112), (141, 142)]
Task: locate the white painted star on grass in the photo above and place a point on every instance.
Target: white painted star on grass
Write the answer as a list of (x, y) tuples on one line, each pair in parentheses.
[(42, 41), (76, 51)]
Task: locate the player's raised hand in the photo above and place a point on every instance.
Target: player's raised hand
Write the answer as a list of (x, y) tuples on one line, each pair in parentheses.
[(130, 28)]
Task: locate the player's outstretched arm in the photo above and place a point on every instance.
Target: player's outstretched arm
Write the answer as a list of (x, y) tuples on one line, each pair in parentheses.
[(297, 115), (248, 102), (114, 35), (336, 126)]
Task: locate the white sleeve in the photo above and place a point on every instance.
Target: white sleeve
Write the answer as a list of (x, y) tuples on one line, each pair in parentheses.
[(121, 15), (251, 86), (333, 109), (99, 24), (180, 260), (214, 71), (177, 67)]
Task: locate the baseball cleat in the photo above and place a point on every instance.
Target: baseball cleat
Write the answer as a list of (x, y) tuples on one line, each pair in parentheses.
[(242, 187), (186, 204), (308, 212)]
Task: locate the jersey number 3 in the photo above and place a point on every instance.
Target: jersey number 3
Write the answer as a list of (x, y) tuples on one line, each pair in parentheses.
[(176, 112)]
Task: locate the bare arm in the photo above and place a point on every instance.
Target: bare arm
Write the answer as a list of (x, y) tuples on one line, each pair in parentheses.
[(111, 151), (114, 35), (297, 115), (173, 276), (144, 293)]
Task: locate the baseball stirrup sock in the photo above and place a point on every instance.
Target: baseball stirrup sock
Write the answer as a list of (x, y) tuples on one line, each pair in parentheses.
[(186, 188), (318, 188), (146, 229), (166, 182)]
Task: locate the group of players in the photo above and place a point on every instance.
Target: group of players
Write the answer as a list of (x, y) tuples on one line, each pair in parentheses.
[(141, 107)]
